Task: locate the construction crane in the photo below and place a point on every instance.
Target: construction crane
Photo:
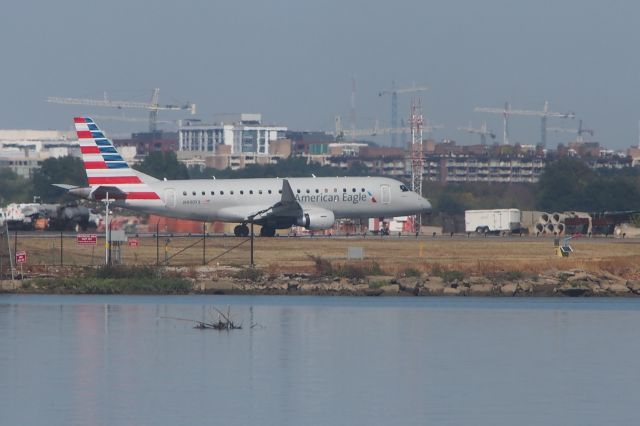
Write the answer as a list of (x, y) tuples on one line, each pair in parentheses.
[(127, 119), (482, 131), (544, 115), (580, 131), (153, 107), (505, 119), (394, 92), (341, 133)]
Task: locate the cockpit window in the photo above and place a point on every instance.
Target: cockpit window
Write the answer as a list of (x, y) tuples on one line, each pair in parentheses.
[(403, 188)]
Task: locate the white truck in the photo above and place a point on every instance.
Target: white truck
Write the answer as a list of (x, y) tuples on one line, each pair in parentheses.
[(492, 221)]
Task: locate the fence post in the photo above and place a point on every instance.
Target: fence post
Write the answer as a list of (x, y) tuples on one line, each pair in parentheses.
[(204, 242), (157, 243), (61, 249)]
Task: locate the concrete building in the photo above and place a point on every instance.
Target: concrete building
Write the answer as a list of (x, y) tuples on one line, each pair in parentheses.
[(467, 168), (244, 133), (23, 151), (147, 142)]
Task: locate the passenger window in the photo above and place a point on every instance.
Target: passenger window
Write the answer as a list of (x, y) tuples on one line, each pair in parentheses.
[(260, 191), (269, 191), (204, 193), (230, 192), (317, 191), (194, 193), (344, 189), (279, 191), (335, 189), (353, 190), (298, 191), (213, 193), (326, 190), (221, 192), (241, 192), (184, 192), (251, 192), (362, 189), (308, 191)]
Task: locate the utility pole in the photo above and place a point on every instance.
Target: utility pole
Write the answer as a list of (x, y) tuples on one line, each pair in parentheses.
[(107, 231), (204, 242), (11, 258), (252, 264)]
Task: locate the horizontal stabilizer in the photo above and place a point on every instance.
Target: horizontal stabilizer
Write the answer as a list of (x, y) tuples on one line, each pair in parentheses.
[(65, 186), (113, 192)]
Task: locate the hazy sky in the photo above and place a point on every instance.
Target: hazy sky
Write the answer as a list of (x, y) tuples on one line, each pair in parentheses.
[(293, 60)]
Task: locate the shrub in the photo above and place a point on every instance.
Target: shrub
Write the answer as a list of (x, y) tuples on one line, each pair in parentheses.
[(359, 270), (412, 272), (121, 271), (447, 275), (251, 274), (502, 276), (377, 284), (164, 285), (323, 266)]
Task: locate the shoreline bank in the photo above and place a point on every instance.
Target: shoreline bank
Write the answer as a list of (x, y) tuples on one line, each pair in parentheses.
[(554, 283)]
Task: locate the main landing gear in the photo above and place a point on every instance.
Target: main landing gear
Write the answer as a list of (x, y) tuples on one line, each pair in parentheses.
[(241, 230), (267, 231)]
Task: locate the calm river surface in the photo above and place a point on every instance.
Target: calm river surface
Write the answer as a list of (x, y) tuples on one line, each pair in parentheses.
[(93, 360)]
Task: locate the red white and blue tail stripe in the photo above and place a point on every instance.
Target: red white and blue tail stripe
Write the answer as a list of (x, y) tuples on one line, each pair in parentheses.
[(106, 170)]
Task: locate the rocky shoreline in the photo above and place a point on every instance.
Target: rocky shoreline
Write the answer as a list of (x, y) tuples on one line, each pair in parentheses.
[(571, 283)]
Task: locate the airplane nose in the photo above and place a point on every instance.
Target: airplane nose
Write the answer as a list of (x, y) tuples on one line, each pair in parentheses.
[(425, 205)]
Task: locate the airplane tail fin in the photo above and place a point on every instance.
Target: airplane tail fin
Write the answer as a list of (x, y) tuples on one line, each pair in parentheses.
[(107, 171)]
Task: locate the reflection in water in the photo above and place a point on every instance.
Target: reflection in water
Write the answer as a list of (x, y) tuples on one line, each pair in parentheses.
[(318, 361)]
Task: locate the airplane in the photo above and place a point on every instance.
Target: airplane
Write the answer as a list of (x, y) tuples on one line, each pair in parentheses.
[(274, 203)]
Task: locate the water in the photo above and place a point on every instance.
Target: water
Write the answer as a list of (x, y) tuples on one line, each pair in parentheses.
[(75, 360)]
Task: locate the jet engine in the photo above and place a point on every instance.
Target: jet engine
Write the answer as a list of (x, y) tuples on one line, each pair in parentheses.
[(316, 219)]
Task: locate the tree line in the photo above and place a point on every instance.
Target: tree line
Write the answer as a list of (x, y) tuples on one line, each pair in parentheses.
[(565, 184)]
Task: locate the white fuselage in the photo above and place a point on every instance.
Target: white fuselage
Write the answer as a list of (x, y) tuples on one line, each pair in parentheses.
[(232, 200)]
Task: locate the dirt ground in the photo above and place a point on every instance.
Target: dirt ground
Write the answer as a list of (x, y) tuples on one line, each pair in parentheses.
[(394, 255)]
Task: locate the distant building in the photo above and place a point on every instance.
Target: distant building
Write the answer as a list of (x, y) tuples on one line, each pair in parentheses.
[(23, 151), (245, 133), (147, 142), (235, 144), (19, 164)]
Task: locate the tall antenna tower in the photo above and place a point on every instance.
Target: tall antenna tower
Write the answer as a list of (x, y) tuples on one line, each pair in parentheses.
[(352, 117), (417, 153)]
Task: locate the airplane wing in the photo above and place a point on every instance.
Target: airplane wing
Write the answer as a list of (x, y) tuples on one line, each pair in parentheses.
[(285, 209)]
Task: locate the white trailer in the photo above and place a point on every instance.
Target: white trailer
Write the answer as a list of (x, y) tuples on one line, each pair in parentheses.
[(492, 221)]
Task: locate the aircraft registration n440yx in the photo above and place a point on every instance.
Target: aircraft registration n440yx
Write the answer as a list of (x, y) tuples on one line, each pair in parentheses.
[(274, 203)]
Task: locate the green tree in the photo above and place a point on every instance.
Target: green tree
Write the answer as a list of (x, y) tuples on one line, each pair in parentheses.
[(163, 165), (563, 185), (289, 167), (68, 170), (455, 198), (569, 184), (14, 188)]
